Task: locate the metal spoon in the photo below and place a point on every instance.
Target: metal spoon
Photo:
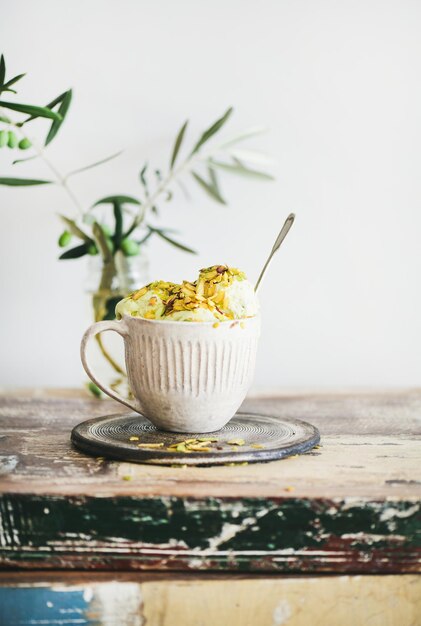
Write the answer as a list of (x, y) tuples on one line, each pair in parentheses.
[(284, 232)]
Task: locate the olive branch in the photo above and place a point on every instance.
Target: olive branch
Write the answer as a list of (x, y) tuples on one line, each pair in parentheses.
[(134, 218), (130, 229)]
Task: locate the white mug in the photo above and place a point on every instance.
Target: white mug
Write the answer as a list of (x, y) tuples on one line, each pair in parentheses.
[(187, 377)]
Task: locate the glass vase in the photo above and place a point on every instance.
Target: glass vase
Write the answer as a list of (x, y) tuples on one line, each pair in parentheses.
[(106, 284)]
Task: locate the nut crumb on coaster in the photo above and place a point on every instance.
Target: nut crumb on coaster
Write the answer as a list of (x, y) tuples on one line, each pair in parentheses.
[(247, 438)]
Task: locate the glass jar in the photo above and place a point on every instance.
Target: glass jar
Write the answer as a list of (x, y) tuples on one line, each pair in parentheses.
[(106, 284)]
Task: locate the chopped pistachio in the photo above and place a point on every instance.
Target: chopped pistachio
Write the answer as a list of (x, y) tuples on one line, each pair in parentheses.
[(139, 293), (134, 438), (236, 442)]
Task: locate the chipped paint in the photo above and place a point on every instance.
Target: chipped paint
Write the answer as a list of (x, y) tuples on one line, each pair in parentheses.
[(116, 603), (8, 463), (282, 613), (230, 530), (253, 534), (390, 513)]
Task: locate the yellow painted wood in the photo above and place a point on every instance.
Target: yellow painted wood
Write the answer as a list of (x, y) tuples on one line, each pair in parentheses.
[(318, 601)]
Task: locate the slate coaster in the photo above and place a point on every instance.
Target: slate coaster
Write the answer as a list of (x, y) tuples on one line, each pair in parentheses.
[(266, 438)]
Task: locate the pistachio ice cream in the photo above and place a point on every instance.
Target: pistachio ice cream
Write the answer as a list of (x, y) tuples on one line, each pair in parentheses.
[(148, 302), (229, 289), (220, 293)]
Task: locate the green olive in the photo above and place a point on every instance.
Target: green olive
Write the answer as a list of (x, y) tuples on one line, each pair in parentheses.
[(64, 239), (13, 140), (4, 137), (24, 144), (129, 247), (94, 390)]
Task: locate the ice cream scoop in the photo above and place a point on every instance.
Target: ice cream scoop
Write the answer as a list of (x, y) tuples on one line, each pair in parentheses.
[(148, 302), (230, 291)]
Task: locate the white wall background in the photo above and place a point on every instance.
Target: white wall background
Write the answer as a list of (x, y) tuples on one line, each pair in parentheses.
[(337, 84)]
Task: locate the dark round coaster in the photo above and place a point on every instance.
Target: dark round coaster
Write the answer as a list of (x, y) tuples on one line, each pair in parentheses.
[(266, 438)]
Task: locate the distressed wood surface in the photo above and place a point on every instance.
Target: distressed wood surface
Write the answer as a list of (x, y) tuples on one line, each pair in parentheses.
[(353, 505), (156, 600)]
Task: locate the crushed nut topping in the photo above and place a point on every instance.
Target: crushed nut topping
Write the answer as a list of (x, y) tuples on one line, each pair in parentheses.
[(202, 300)]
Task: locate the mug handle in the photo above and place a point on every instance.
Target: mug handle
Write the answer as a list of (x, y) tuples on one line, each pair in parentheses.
[(91, 332)]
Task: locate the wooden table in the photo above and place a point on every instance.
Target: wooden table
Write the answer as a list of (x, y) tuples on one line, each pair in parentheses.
[(255, 544)]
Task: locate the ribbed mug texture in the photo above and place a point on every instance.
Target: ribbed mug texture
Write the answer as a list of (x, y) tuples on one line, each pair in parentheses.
[(187, 376), (190, 378)]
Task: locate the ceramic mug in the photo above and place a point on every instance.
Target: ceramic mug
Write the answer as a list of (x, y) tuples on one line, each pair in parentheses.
[(184, 376)]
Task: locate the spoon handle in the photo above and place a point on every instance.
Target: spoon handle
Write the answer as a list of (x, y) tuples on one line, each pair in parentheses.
[(283, 233)]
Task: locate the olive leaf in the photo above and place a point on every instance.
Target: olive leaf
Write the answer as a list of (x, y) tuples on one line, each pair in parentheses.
[(2, 70), (212, 130), (177, 144), (91, 165), (239, 168), (214, 179), (23, 182), (177, 244), (75, 230), (245, 134), (75, 253), (50, 105), (31, 109), (119, 198), (34, 156), (5, 86), (64, 99), (257, 158), (143, 180), (12, 81), (209, 187)]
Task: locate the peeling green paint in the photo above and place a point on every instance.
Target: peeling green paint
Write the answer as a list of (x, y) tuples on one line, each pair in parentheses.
[(285, 534)]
